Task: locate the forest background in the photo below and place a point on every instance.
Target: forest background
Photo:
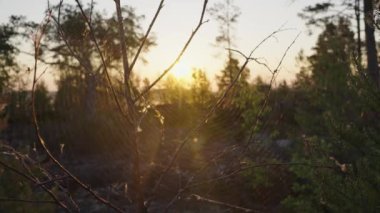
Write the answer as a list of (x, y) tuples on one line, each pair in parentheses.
[(108, 138)]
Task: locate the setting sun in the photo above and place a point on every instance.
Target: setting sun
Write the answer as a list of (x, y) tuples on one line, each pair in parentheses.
[(182, 71)]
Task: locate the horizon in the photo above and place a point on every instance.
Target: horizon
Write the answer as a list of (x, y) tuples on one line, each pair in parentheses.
[(203, 52)]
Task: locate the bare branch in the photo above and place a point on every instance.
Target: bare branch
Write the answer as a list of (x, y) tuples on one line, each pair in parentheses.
[(237, 51), (286, 53), (126, 68), (146, 35), (38, 78), (62, 205), (262, 64), (272, 35), (250, 58), (27, 163), (273, 78), (219, 203)]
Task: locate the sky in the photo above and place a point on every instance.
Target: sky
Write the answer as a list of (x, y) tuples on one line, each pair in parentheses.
[(178, 18)]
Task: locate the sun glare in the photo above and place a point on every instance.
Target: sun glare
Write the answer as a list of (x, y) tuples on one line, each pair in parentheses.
[(182, 71)]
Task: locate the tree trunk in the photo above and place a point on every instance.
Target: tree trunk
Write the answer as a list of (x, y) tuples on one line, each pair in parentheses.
[(372, 61), (140, 206), (358, 31), (132, 111), (90, 96), (90, 92)]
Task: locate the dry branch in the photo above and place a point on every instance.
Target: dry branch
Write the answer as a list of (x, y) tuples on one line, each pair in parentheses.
[(273, 78), (146, 35), (126, 68), (54, 197), (219, 203)]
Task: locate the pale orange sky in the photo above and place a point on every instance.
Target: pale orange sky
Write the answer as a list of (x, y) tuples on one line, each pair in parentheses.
[(179, 17)]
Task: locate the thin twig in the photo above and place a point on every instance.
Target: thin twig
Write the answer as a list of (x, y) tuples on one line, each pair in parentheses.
[(237, 51), (219, 203), (39, 77), (53, 180), (26, 162), (273, 78), (251, 58), (124, 53), (57, 201), (273, 34), (146, 35)]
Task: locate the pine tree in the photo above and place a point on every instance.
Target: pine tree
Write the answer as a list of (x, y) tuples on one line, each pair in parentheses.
[(7, 55), (74, 53), (333, 137)]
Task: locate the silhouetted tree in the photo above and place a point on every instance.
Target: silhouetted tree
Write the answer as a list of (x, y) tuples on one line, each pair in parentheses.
[(72, 50), (7, 55), (362, 11), (335, 138), (372, 55)]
